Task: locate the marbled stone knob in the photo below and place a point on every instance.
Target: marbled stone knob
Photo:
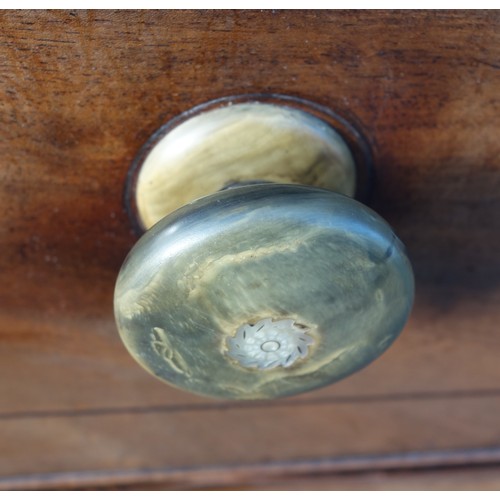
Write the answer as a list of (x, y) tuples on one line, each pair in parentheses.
[(263, 291)]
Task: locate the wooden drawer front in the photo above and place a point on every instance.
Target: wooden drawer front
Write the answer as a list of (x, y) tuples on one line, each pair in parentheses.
[(82, 91)]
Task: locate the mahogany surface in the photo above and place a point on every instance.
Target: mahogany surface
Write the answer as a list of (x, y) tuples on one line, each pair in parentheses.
[(80, 94)]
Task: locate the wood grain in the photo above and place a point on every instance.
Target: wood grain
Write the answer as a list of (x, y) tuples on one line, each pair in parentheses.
[(82, 91), (461, 479), (459, 469)]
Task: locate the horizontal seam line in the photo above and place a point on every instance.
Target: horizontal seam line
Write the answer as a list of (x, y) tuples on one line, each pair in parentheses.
[(389, 398), (227, 474)]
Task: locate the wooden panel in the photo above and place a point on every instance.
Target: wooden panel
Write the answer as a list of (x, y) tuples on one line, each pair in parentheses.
[(472, 479), (81, 92), (225, 434), (457, 470), (451, 479), (468, 479)]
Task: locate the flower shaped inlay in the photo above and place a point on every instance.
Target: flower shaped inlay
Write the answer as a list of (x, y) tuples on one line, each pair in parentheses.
[(269, 344)]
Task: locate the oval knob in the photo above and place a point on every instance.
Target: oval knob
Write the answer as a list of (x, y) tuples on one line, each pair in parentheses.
[(263, 290)]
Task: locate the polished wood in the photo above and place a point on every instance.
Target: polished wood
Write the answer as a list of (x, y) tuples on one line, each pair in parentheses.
[(460, 469), (467, 479), (82, 91), (461, 479)]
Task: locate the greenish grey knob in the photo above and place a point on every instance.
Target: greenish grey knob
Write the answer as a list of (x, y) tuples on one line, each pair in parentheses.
[(263, 290)]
